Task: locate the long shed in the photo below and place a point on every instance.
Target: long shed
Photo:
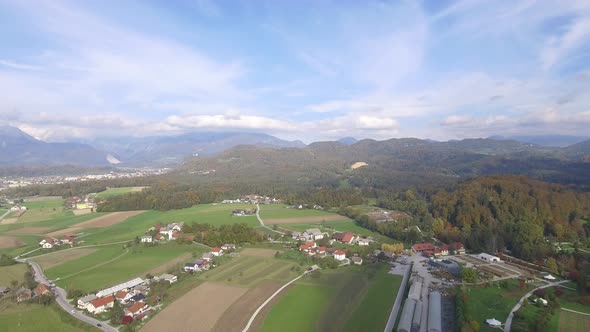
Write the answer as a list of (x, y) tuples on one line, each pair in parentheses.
[(434, 312)]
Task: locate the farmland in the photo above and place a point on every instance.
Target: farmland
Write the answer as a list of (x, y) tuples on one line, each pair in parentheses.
[(35, 317), (571, 321), (341, 226), (280, 211), (43, 210), (50, 260), (117, 191), (10, 273)]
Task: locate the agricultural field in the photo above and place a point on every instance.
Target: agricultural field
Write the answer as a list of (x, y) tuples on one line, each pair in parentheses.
[(363, 296), (282, 211), (340, 226), (492, 302), (10, 273), (43, 210), (110, 192), (3, 211), (113, 264), (47, 261), (570, 321), (35, 317)]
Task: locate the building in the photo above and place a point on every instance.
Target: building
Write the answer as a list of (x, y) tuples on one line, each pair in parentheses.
[(314, 234), (191, 267), (124, 286), (441, 251), (68, 239), (83, 301), (42, 289), (49, 242), (405, 321), (136, 309), (147, 239), (207, 256), (228, 246), (23, 294), (100, 304), (168, 277), (434, 312), (122, 296), (417, 316), (339, 255), (357, 260), (170, 229), (217, 251), (346, 237), (488, 258), (425, 248), (363, 242), (458, 248)]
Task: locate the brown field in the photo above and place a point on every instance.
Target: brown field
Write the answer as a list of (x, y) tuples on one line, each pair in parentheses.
[(10, 241), (304, 220), (108, 220), (56, 258), (237, 315), (197, 310), (43, 198), (258, 252), (81, 212), (69, 230), (30, 230), (170, 264), (571, 321), (7, 221)]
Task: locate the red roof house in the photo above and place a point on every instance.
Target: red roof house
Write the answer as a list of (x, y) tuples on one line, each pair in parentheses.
[(348, 237)]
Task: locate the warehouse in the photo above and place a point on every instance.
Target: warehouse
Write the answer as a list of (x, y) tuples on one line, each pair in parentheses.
[(417, 315), (124, 286), (488, 258), (405, 321), (415, 289), (434, 312)]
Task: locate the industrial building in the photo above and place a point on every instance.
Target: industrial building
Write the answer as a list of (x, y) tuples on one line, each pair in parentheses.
[(405, 321), (415, 289), (124, 286), (488, 258), (434, 312), (417, 316)]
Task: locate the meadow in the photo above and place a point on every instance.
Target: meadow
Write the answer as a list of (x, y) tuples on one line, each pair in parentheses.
[(35, 317), (111, 192), (122, 266), (275, 211), (43, 210), (340, 226), (10, 273)]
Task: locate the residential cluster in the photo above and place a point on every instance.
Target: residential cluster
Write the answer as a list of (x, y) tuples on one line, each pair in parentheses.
[(311, 248), (133, 295), (168, 232), (51, 242), (80, 203), (24, 294), (428, 249), (204, 263), (252, 199)]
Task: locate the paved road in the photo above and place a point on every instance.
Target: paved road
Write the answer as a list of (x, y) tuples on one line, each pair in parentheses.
[(262, 222), (577, 312), (519, 304), (61, 299)]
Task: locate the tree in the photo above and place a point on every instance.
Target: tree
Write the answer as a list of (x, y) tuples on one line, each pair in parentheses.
[(474, 325), (469, 275), (552, 265), (6, 260), (117, 313)]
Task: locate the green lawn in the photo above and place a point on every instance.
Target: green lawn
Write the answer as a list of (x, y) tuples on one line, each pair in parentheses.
[(136, 263), (2, 211), (299, 309), (35, 317), (273, 211), (249, 270), (492, 302), (341, 226), (117, 191), (374, 309), (43, 210), (12, 272)]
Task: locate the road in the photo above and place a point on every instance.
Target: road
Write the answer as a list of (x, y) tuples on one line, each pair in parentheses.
[(519, 304), (262, 222), (61, 299), (272, 297), (4, 215)]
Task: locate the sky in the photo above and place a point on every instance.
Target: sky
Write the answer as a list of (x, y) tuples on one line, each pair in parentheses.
[(308, 70)]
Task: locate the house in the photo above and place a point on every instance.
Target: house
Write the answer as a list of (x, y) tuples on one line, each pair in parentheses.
[(426, 248), (23, 294), (357, 260), (83, 301), (442, 250), (168, 277), (42, 289), (217, 251), (136, 309), (203, 264), (175, 235), (339, 255), (68, 239), (363, 242), (153, 300), (191, 267), (458, 248), (100, 304), (207, 256), (346, 237), (49, 242), (321, 250), (147, 239), (140, 289), (494, 322), (228, 246), (171, 229), (307, 246), (159, 237), (123, 286), (137, 298), (123, 296), (488, 258), (314, 234)]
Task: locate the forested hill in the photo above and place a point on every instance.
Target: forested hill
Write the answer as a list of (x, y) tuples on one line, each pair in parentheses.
[(516, 212)]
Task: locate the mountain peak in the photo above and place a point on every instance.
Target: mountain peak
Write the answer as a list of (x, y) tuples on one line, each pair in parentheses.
[(348, 140)]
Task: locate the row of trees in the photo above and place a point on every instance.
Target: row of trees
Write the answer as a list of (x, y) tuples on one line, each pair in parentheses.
[(216, 236)]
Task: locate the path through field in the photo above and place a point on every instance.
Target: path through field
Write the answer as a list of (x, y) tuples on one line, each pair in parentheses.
[(305, 220)]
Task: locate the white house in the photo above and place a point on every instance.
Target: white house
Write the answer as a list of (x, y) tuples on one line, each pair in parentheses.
[(147, 239), (542, 300), (217, 251), (339, 255), (49, 242), (168, 277), (100, 305), (207, 256), (488, 258), (363, 242), (83, 301), (314, 234), (172, 228), (228, 246)]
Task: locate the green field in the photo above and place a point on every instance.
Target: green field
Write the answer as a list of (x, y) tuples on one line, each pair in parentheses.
[(43, 210), (273, 211), (352, 298), (10, 273), (35, 317), (117, 191), (2, 211), (250, 270), (341, 226), (136, 263), (492, 302)]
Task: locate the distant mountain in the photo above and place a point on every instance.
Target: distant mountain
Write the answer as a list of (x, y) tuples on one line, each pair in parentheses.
[(579, 150), (348, 140), (546, 140), (20, 149), (172, 150)]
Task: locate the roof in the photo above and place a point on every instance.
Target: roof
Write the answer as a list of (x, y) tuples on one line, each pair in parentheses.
[(357, 259), (493, 322), (87, 298), (102, 301), (338, 236), (347, 237), (322, 249), (549, 277), (315, 231), (136, 307), (122, 286), (339, 252), (138, 297), (434, 312), (488, 256), (423, 246), (121, 294), (405, 321), (216, 249)]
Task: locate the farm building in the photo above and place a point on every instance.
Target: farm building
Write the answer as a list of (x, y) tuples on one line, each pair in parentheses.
[(426, 247), (405, 321), (488, 258), (124, 286), (417, 316), (434, 312), (415, 289), (147, 239), (101, 304), (83, 301)]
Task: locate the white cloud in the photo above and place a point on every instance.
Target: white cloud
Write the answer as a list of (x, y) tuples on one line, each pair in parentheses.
[(559, 47), (18, 66)]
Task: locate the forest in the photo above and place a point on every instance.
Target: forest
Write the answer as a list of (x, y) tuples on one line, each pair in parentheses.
[(217, 236)]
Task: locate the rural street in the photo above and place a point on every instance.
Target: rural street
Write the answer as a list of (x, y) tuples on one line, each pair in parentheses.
[(519, 304), (60, 297), (262, 222), (272, 297)]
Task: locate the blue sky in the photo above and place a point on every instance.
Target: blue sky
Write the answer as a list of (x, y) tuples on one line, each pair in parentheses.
[(309, 70)]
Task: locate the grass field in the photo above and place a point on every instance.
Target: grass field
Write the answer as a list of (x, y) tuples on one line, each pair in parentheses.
[(341, 226), (12, 272), (492, 302), (117, 191), (273, 211), (43, 210), (570, 321), (347, 299), (137, 262), (2, 211), (35, 317)]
